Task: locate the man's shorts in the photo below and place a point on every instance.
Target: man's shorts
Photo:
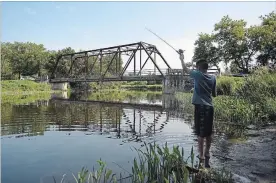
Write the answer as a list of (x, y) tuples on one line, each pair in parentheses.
[(204, 116)]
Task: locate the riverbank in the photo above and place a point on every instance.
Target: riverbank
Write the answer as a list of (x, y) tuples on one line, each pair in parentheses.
[(23, 86), (253, 159), (24, 92)]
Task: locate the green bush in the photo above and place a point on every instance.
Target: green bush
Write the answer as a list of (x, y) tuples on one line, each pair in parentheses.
[(259, 89), (233, 109), (228, 85), (259, 85)]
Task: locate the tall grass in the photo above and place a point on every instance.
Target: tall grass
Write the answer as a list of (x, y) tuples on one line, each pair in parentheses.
[(143, 87), (24, 98), (228, 85), (157, 165), (23, 86)]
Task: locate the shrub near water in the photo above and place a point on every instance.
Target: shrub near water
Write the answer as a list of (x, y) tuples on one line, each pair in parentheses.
[(260, 90), (228, 85)]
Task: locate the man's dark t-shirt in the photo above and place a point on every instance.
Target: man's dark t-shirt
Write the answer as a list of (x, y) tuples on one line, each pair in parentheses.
[(204, 84)]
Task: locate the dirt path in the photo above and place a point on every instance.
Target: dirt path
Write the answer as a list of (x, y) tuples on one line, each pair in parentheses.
[(253, 160)]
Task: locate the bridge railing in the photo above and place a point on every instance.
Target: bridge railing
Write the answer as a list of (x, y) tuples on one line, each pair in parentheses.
[(146, 72)]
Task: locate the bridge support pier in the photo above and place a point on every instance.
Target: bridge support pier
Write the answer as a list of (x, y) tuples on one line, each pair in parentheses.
[(60, 86), (172, 84), (175, 81)]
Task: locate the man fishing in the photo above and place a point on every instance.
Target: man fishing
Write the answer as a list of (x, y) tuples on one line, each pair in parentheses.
[(204, 89)]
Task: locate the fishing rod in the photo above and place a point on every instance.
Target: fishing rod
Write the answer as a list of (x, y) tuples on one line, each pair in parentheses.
[(180, 51), (163, 40)]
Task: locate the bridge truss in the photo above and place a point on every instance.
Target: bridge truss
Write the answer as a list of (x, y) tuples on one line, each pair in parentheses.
[(106, 64)]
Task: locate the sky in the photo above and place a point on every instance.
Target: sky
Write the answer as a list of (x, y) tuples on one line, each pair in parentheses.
[(92, 25)]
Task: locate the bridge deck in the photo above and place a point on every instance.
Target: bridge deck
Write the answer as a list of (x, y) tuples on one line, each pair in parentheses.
[(107, 79)]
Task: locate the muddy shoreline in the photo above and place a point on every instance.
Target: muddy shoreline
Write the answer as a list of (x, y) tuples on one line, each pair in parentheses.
[(251, 160)]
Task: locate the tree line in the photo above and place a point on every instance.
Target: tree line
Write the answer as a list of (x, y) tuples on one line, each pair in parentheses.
[(231, 42), (237, 45), (26, 59)]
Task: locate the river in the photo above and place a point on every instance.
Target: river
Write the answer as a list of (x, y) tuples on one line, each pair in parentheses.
[(53, 137), (44, 139)]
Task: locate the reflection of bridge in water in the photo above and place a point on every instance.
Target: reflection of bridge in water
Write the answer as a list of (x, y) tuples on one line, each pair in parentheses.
[(130, 121)]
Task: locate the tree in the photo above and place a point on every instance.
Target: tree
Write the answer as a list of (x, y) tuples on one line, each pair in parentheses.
[(64, 63), (267, 39), (236, 42), (206, 49), (23, 58), (6, 69)]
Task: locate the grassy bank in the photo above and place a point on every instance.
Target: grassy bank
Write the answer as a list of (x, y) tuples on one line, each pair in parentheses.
[(24, 91), (24, 98), (143, 87), (122, 95), (23, 86), (126, 86)]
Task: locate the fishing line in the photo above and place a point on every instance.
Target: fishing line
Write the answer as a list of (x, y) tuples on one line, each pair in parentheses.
[(180, 51), (162, 40)]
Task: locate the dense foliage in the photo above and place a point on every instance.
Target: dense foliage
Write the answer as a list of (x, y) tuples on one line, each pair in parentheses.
[(237, 45)]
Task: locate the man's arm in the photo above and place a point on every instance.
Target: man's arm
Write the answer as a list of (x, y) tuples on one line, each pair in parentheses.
[(214, 89), (185, 68)]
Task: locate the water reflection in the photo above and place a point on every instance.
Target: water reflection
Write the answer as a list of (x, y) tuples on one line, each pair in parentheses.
[(132, 122), (64, 133), (122, 117)]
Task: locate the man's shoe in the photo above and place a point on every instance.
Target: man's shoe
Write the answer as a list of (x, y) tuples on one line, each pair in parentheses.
[(207, 165), (201, 161)]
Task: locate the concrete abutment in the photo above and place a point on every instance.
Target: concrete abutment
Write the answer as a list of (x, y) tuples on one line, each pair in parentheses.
[(60, 86), (177, 83)]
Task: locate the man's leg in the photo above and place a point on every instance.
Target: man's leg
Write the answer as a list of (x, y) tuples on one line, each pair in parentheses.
[(208, 133), (208, 145), (200, 141), (199, 129)]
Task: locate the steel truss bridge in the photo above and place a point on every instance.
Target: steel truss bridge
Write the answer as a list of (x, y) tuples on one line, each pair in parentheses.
[(80, 66)]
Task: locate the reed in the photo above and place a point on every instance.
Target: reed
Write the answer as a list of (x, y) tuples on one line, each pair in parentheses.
[(157, 164)]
